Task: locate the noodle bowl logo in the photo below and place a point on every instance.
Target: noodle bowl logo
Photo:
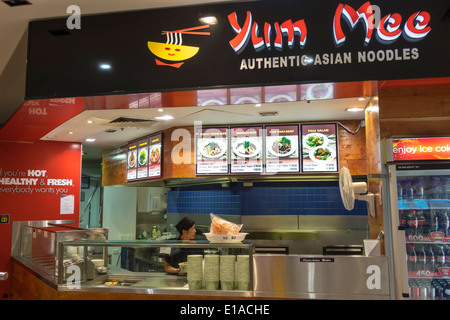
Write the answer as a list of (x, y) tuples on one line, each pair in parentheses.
[(173, 53)]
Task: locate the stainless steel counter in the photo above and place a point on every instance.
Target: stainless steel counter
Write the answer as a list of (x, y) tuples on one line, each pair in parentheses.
[(275, 276), (321, 277)]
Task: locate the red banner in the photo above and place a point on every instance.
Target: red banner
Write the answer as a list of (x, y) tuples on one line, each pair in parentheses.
[(421, 149)]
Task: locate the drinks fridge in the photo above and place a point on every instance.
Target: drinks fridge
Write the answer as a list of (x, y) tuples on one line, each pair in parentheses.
[(418, 170)]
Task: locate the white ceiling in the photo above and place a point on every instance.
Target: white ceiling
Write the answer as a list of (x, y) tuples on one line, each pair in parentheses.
[(78, 129)]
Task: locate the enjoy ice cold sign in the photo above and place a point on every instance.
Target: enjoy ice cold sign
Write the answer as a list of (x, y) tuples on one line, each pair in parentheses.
[(421, 149)]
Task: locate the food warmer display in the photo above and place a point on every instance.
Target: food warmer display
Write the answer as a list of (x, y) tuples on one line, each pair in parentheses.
[(74, 260), (37, 242)]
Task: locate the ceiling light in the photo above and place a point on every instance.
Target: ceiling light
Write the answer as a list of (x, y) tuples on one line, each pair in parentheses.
[(354, 109), (161, 110), (70, 132), (90, 121), (105, 66), (361, 99), (90, 140), (166, 117), (208, 20), (258, 105)]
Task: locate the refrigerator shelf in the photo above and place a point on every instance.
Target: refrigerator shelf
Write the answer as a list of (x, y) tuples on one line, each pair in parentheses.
[(444, 273), (424, 204), (427, 240)]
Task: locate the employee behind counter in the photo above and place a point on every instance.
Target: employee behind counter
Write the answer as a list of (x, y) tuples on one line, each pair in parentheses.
[(186, 228)]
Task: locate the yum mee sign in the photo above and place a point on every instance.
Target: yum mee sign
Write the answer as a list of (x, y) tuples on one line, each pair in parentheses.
[(280, 35)]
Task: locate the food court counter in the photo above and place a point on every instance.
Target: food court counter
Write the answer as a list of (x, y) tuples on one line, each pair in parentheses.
[(271, 276)]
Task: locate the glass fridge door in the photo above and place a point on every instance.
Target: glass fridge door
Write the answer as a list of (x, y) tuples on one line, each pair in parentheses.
[(424, 214)]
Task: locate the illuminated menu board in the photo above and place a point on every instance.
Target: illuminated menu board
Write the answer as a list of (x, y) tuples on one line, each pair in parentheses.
[(319, 147), (246, 151), (282, 146), (142, 159), (211, 150), (155, 155), (132, 161)]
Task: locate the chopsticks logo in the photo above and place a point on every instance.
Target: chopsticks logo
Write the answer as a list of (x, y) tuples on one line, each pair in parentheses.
[(173, 53)]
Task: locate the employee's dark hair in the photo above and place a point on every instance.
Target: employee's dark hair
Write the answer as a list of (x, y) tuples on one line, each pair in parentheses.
[(184, 224)]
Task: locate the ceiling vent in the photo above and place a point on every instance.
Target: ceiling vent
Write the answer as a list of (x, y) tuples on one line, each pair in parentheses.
[(268, 114), (131, 122), (16, 3)]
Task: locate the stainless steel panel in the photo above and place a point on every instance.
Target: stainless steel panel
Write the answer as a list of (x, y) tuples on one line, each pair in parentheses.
[(321, 277)]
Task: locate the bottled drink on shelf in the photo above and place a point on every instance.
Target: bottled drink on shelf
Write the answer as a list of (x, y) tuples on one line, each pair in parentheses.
[(408, 191), (399, 190), (402, 218), (443, 223), (447, 256), (421, 259), (421, 228), (412, 259), (418, 189), (436, 190), (440, 258), (446, 182), (412, 223), (434, 220), (431, 259)]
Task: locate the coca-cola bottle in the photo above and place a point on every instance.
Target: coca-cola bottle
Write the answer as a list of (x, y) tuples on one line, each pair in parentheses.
[(412, 259), (431, 260), (421, 259), (421, 222), (413, 223), (440, 258), (444, 222), (402, 218), (434, 220), (447, 256)]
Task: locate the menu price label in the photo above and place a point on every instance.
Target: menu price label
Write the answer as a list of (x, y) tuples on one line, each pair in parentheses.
[(282, 146), (155, 154), (132, 161), (246, 149), (319, 147), (211, 146)]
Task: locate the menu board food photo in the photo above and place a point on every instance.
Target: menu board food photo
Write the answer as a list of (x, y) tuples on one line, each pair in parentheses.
[(142, 159), (155, 153), (246, 149), (132, 161), (319, 147), (282, 149), (211, 150)]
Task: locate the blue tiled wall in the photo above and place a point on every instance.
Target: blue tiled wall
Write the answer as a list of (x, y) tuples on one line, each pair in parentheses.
[(294, 198)]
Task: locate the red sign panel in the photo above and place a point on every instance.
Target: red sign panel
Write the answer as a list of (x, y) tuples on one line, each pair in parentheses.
[(421, 149)]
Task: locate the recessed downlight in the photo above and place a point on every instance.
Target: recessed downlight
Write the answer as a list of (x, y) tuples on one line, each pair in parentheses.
[(354, 109), (166, 117), (105, 66), (90, 140)]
